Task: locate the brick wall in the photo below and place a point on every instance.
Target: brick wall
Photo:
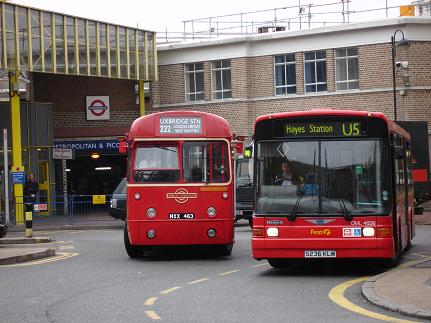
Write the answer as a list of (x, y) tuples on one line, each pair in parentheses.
[(239, 77), (261, 76), (253, 87), (330, 70), (67, 94), (171, 84)]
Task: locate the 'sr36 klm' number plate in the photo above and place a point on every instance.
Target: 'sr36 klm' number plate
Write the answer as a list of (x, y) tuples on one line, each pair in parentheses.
[(181, 216), (320, 254)]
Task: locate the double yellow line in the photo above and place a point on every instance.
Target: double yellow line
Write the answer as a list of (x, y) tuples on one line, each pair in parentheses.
[(59, 256)]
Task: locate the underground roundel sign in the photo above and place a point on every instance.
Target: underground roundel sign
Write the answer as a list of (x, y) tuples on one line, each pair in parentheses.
[(97, 107)]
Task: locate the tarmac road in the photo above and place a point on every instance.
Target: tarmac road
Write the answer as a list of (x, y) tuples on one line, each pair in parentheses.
[(95, 281)]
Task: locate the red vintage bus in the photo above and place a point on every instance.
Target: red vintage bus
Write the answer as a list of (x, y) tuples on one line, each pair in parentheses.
[(180, 187), (331, 184)]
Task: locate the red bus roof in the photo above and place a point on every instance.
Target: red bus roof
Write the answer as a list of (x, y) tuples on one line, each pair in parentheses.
[(212, 126), (392, 126)]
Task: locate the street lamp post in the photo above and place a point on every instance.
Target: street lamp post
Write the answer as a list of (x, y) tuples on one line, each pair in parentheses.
[(402, 43)]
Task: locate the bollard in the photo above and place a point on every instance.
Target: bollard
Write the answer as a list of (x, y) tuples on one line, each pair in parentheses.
[(28, 220)]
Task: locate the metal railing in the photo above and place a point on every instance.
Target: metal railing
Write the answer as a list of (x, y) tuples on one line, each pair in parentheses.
[(78, 209), (304, 15)]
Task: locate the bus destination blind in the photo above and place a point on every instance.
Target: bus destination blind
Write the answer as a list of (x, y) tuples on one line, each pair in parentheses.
[(320, 129), (180, 126)]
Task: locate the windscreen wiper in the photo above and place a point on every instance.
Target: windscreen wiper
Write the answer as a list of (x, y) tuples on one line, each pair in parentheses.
[(166, 148), (346, 213), (294, 213)]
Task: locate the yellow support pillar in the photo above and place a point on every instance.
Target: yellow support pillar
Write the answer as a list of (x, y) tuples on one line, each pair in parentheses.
[(16, 143), (141, 98)]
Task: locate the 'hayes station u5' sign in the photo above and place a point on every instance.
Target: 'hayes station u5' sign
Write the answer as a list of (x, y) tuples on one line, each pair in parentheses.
[(97, 107)]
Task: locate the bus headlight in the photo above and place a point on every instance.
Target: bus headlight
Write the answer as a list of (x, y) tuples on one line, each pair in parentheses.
[(211, 233), (272, 232), (368, 232), (151, 212), (137, 196), (211, 211), (151, 234)]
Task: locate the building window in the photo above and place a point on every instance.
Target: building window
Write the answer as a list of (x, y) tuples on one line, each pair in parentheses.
[(315, 71), (194, 81), (221, 80), (346, 69), (285, 76)]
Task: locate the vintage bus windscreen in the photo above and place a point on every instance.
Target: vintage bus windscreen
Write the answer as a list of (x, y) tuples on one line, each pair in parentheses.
[(337, 168)]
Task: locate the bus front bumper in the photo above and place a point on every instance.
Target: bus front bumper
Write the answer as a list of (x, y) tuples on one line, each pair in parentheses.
[(266, 248), (181, 232)]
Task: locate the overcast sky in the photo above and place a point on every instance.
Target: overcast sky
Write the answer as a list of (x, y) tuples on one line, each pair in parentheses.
[(158, 15)]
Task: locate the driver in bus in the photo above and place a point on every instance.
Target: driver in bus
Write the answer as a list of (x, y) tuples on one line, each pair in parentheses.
[(286, 178)]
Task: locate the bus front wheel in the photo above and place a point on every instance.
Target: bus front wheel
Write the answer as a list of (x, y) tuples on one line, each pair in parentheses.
[(132, 251), (279, 263)]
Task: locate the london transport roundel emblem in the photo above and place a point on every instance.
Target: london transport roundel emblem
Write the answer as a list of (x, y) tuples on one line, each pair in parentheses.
[(181, 195), (97, 107)]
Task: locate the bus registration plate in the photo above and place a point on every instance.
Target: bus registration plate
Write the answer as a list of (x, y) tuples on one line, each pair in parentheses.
[(320, 254), (181, 216)]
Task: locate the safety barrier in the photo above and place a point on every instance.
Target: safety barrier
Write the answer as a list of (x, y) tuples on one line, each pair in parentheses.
[(75, 209)]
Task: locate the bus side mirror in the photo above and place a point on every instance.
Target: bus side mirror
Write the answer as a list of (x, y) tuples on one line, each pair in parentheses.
[(248, 152), (399, 152)]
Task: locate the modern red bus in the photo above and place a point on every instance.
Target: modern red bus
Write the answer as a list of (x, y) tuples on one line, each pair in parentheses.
[(180, 187), (349, 193)]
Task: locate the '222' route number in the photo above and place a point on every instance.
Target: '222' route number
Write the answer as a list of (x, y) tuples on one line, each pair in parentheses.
[(165, 129)]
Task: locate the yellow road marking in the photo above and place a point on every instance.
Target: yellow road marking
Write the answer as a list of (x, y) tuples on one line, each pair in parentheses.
[(260, 265), (169, 290), (337, 296), (198, 281), (66, 247), (152, 315), (418, 255), (229, 272), (151, 301), (60, 256)]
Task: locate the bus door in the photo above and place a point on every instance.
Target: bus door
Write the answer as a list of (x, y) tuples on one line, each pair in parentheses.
[(401, 191)]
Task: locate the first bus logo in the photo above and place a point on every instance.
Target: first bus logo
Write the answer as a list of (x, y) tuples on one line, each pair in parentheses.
[(181, 195)]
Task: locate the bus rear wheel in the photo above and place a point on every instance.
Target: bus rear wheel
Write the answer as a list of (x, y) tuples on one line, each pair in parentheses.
[(132, 251), (226, 249)]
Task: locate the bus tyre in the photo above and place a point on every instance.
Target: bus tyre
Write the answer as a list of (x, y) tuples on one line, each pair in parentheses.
[(396, 258), (132, 251), (250, 222), (226, 249), (278, 263)]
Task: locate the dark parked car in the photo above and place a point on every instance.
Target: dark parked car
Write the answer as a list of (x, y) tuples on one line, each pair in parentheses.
[(117, 208), (244, 190)]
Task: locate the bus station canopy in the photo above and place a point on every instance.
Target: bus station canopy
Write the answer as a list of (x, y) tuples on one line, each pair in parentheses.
[(35, 40)]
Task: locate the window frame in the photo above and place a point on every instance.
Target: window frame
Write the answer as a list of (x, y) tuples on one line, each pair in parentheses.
[(214, 70), (188, 95), (346, 61), (284, 64), (315, 61)]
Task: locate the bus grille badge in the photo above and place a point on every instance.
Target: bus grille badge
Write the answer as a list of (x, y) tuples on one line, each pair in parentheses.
[(320, 221), (181, 195)]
